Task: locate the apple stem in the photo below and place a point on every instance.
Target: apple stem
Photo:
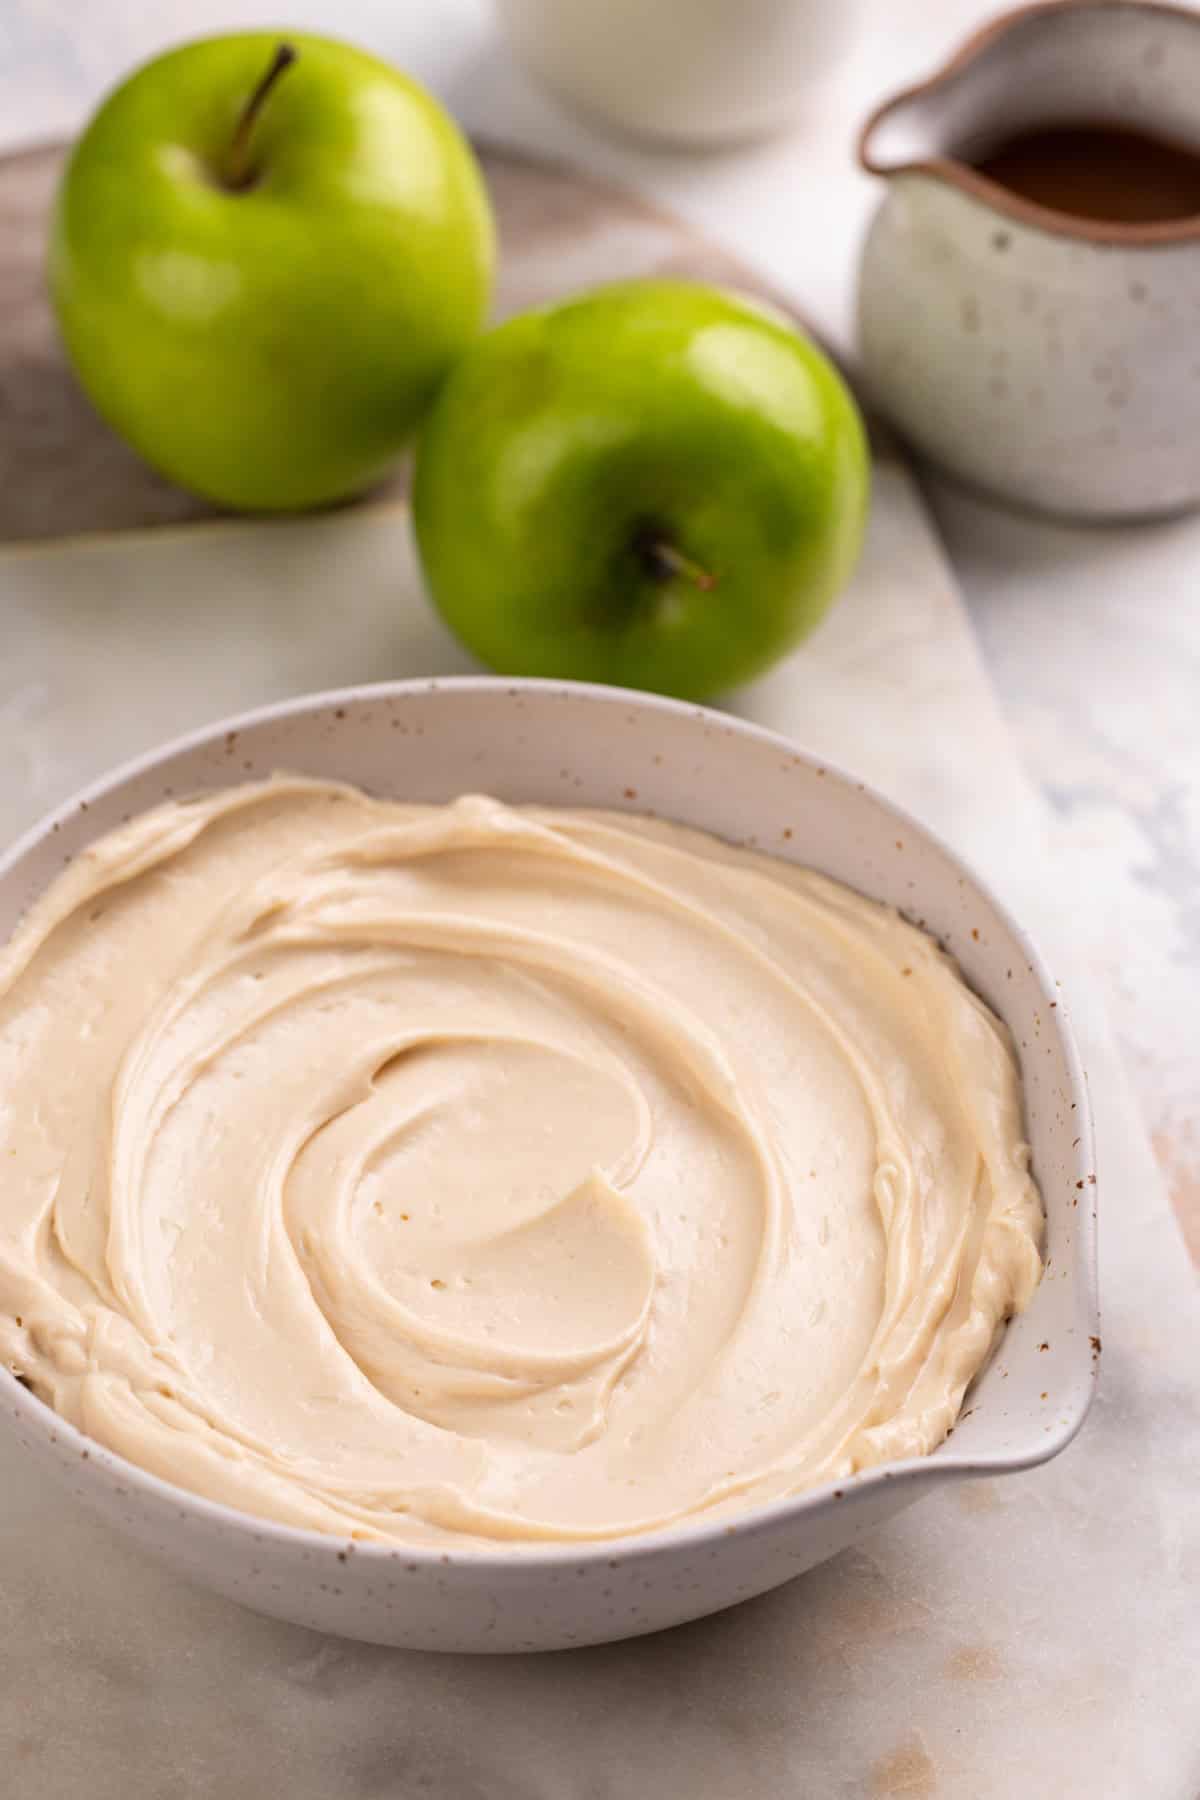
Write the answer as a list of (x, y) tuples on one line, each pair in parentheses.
[(239, 172), (663, 560)]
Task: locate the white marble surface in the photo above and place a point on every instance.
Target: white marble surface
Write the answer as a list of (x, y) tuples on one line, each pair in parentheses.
[(1027, 1637), (1092, 638)]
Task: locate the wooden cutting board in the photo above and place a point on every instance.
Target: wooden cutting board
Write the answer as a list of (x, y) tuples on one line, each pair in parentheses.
[(132, 610), (62, 471)]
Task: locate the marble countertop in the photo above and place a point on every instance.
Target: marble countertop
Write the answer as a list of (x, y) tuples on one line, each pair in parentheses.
[(1092, 643)]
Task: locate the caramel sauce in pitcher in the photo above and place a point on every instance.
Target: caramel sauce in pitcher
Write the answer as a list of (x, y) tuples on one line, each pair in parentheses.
[(1104, 172)]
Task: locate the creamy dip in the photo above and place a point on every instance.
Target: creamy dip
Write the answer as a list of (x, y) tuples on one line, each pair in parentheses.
[(468, 1174)]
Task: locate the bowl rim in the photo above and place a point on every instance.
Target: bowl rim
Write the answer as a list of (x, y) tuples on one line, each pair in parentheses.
[(525, 1555)]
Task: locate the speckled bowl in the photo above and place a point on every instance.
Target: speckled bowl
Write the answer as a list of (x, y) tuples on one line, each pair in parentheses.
[(550, 742)]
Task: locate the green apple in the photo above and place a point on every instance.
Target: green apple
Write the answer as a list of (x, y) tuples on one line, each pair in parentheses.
[(265, 257), (658, 485)]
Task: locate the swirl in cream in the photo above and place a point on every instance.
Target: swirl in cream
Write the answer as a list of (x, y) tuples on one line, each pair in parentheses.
[(474, 1174)]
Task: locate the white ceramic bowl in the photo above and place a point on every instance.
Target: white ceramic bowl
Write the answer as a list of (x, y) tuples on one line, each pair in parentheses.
[(550, 742), (695, 73)]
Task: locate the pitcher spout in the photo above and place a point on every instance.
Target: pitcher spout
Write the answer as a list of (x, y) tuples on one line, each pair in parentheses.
[(1130, 63), (938, 123), (907, 131), (935, 124)]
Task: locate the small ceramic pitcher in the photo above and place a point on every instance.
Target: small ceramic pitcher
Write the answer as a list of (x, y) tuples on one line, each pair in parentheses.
[(1048, 358)]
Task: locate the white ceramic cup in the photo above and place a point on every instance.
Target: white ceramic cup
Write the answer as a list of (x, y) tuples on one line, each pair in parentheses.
[(681, 71)]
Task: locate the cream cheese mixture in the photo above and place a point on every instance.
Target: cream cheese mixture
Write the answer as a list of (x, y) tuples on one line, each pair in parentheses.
[(471, 1175)]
